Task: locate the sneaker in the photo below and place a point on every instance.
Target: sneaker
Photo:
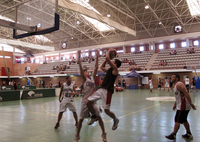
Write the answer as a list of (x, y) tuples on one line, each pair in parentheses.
[(92, 121), (115, 125), (76, 139), (104, 137), (188, 136), (172, 136), (57, 125)]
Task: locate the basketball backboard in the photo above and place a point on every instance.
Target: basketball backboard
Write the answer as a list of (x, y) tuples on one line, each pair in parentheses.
[(33, 17)]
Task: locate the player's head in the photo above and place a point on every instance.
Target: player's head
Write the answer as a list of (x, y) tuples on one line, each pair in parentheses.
[(86, 72), (150, 78), (175, 78), (117, 63), (68, 79), (165, 77), (187, 77)]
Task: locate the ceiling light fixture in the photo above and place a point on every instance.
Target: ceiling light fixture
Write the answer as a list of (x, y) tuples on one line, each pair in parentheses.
[(160, 23), (146, 7), (108, 15)]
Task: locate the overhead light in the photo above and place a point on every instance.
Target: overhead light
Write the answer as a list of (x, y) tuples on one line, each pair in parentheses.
[(78, 22), (146, 7), (72, 37), (160, 23), (108, 15)]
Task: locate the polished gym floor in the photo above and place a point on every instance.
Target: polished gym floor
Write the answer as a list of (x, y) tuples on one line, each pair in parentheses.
[(141, 120)]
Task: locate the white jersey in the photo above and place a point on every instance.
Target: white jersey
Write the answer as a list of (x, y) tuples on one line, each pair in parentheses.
[(187, 81), (166, 81), (66, 90), (88, 88), (181, 101), (150, 84)]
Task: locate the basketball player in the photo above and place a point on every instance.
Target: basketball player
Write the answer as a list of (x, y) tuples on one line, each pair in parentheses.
[(166, 84), (88, 89), (159, 84), (183, 105), (151, 83), (187, 83), (67, 101), (106, 89), (193, 85)]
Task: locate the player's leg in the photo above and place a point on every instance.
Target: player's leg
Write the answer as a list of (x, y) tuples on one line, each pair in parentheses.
[(71, 106), (186, 124), (75, 118), (79, 126), (63, 107), (101, 124)]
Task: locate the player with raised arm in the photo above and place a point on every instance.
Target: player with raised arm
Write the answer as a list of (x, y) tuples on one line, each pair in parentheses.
[(67, 92), (183, 105), (107, 88), (88, 89)]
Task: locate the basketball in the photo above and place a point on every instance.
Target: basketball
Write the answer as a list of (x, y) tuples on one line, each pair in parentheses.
[(113, 53)]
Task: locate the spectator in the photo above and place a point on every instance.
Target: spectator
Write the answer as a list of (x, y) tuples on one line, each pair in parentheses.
[(134, 62), (54, 68), (188, 51), (171, 53), (175, 52), (119, 83), (160, 63), (124, 83), (136, 67), (130, 63), (165, 63), (192, 50), (130, 68)]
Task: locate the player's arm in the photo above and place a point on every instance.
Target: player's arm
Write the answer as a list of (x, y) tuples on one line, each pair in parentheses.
[(174, 107), (115, 71), (152, 78), (103, 66), (80, 66), (96, 65), (61, 90), (182, 88)]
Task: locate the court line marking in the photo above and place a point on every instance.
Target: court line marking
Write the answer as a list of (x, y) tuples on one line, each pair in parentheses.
[(138, 111)]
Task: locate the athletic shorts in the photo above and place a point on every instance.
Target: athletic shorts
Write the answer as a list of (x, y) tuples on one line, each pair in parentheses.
[(67, 103), (159, 86), (104, 95), (187, 86), (84, 110), (181, 116), (193, 86), (167, 85), (124, 85), (170, 84), (151, 86)]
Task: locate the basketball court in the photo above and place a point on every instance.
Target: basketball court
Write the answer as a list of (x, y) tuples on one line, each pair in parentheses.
[(141, 120)]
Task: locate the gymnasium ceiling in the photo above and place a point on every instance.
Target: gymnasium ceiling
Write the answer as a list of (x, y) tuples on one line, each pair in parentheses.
[(156, 21)]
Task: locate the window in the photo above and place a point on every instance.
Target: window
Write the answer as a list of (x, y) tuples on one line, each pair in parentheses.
[(196, 43), (161, 46), (183, 44), (57, 58), (172, 45), (93, 53), (120, 51), (74, 55), (47, 59), (86, 54), (100, 52), (37, 60), (132, 49), (141, 48), (67, 56)]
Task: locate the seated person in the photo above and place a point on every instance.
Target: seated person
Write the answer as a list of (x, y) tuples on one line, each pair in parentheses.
[(130, 68), (119, 89), (171, 53), (175, 52), (54, 68), (160, 63), (188, 51), (136, 67), (134, 62), (130, 63), (165, 63), (192, 50)]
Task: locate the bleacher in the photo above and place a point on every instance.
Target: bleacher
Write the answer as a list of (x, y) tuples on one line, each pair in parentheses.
[(141, 59), (177, 61)]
